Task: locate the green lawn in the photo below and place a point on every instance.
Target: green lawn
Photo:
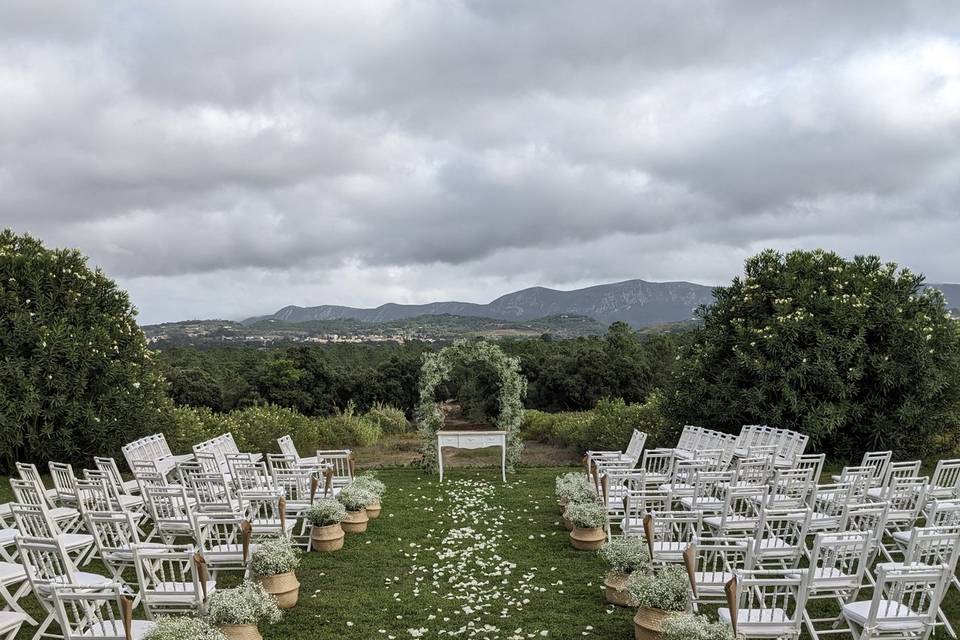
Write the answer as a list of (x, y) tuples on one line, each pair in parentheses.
[(455, 559)]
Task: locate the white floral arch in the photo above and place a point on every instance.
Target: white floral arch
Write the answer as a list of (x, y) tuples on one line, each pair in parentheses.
[(513, 387)]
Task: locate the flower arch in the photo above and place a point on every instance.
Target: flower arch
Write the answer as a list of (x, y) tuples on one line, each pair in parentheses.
[(438, 366)]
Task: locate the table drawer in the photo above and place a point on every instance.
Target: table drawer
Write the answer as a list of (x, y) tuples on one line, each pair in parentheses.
[(479, 441)]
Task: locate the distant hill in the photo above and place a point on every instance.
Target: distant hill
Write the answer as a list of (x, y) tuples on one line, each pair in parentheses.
[(637, 302)]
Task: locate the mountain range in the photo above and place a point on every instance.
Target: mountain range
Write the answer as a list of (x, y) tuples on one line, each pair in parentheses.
[(637, 302)]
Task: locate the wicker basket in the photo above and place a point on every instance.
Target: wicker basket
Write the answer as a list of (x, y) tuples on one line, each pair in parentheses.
[(240, 631), (329, 538), (615, 589), (355, 521), (373, 510), (284, 587), (648, 623), (587, 539)]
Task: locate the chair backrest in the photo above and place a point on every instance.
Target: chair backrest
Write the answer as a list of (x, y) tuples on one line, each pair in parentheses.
[(671, 527), (640, 503), (740, 514), (756, 471), (212, 493), (250, 475), (186, 469), (896, 470), (34, 520), (265, 510), (706, 487), (878, 462), (297, 486), (812, 461), (64, 481), (46, 562), (781, 536), (232, 460), (714, 558), (831, 499), (223, 540), (27, 492), (658, 462), (946, 478), (838, 561), (941, 513), (102, 612), (170, 579), (908, 495), (287, 447), (773, 598), (109, 467), (341, 461), (933, 546), (29, 473), (635, 446), (791, 488), (907, 594), (171, 511), (113, 532), (281, 462), (95, 494), (868, 517), (688, 437), (209, 462)]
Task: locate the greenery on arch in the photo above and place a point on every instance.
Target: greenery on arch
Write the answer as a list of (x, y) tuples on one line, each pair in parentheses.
[(437, 367)]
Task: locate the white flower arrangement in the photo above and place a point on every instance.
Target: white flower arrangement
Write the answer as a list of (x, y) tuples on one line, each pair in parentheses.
[(586, 515), (371, 483), (575, 487), (182, 628), (355, 497), (626, 554), (325, 512), (274, 556), (687, 626), (246, 604), (665, 590)]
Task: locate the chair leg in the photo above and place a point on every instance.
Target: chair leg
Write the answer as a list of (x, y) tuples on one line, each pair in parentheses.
[(13, 600)]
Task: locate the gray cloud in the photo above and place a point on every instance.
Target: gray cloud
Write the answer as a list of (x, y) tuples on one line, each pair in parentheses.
[(223, 159)]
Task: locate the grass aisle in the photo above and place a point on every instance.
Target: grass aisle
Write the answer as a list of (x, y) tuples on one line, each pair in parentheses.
[(472, 558)]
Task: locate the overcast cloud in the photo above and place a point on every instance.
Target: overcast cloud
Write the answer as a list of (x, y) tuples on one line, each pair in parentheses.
[(223, 159)]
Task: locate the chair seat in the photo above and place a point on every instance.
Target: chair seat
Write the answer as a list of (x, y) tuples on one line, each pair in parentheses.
[(64, 513), (738, 522), (703, 504), (11, 572), (829, 578), (762, 622), (903, 537), (715, 579), (776, 548), (8, 537), (10, 620), (131, 486), (893, 616), (669, 551), (138, 629), (131, 502), (73, 541), (126, 555), (83, 578)]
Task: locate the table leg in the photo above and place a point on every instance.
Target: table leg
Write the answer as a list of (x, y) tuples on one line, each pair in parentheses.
[(440, 459), (503, 462)]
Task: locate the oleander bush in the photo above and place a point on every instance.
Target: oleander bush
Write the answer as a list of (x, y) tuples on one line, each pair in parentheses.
[(325, 512), (666, 589), (75, 370), (246, 604), (586, 515), (688, 626), (183, 628), (274, 556), (626, 554)]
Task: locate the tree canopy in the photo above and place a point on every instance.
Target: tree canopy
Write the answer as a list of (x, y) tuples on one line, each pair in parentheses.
[(75, 371), (855, 353)]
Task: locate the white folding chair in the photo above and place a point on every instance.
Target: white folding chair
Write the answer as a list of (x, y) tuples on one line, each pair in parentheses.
[(47, 564), (765, 603), (224, 541), (170, 510), (172, 580), (780, 539), (837, 565), (628, 458), (116, 533), (614, 486), (711, 563), (14, 586), (10, 623), (339, 463), (740, 514), (265, 510), (904, 604), (287, 447), (212, 494), (706, 488), (640, 503), (657, 466), (945, 481), (300, 490), (35, 521), (29, 490), (876, 462), (64, 482), (109, 466), (906, 497), (668, 534), (101, 612), (894, 471), (934, 546)]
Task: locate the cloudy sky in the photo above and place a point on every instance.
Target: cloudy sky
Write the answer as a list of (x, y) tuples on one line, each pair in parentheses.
[(226, 159)]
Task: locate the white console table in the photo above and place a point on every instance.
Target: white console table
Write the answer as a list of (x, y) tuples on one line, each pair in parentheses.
[(473, 440)]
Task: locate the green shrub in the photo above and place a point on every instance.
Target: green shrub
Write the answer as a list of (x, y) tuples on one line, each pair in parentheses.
[(388, 419), (347, 429), (190, 425), (76, 377), (257, 429)]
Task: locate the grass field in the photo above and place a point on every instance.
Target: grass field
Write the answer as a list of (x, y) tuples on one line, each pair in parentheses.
[(472, 558)]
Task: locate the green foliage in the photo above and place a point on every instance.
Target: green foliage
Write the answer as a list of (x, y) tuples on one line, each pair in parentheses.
[(853, 353), (608, 426), (194, 387), (183, 628), (388, 419), (257, 429), (188, 426), (346, 428), (76, 377), (438, 368)]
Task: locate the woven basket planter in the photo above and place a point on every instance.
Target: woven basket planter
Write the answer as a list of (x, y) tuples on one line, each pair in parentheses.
[(615, 589), (284, 587), (373, 510), (240, 631), (329, 538), (587, 539), (648, 623), (355, 521)]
